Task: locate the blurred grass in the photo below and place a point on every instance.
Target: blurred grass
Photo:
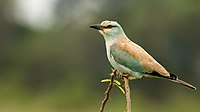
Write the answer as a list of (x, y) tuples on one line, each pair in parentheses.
[(76, 100)]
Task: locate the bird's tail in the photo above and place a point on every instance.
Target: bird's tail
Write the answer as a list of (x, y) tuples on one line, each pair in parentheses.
[(174, 78)]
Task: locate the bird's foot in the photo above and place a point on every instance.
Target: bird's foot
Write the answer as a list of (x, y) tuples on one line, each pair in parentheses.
[(122, 75)]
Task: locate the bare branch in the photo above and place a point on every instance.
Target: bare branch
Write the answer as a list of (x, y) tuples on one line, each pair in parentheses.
[(125, 79), (107, 93), (128, 93)]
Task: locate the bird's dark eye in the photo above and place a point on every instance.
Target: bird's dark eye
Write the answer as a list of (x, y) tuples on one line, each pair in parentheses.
[(109, 26)]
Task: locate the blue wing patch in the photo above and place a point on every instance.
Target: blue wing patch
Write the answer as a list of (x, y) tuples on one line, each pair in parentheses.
[(125, 59)]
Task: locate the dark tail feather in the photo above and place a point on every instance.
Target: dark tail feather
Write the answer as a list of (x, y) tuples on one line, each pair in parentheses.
[(174, 78)]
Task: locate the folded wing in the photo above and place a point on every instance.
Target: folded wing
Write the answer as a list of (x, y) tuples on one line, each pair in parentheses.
[(135, 58)]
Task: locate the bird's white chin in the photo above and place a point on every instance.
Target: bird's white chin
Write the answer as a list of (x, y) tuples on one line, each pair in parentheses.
[(101, 32)]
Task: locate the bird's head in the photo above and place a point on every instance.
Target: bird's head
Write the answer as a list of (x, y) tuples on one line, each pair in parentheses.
[(109, 29)]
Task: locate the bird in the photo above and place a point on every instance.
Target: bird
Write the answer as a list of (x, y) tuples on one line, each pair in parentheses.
[(130, 58)]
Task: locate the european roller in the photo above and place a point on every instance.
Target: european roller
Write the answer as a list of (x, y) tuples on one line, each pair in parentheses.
[(130, 58)]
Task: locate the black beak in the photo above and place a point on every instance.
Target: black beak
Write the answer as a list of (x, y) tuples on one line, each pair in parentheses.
[(96, 26)]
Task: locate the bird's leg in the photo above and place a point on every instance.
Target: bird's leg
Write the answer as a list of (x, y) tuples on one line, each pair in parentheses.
[(114, 72), (122, 75)]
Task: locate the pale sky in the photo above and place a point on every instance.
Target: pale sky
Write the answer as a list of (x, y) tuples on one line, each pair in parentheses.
[(36, 13), (39, 14)]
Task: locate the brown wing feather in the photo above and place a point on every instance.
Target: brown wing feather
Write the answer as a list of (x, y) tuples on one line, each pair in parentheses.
[(146, 60)]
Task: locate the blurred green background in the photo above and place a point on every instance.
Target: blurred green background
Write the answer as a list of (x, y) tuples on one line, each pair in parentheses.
[(51, 61)]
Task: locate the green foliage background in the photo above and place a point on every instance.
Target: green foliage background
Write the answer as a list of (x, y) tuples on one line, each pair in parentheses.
[(59, 69)]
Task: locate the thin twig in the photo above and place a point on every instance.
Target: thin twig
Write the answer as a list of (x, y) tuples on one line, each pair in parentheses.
[(107, 93), (128, 94)]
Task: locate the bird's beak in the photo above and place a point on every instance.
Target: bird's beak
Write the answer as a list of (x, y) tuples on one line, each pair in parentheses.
[(96, 26)]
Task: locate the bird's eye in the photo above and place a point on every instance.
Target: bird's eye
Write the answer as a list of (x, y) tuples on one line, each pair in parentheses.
[(109, 26)]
